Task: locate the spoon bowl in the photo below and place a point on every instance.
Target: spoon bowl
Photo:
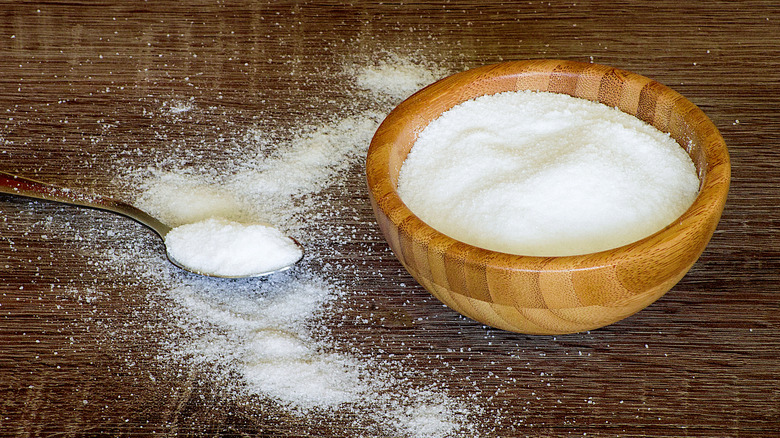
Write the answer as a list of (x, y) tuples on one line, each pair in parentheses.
[(24, 187)]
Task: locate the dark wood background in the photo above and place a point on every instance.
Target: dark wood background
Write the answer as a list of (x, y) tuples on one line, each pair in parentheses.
[(702, 361)]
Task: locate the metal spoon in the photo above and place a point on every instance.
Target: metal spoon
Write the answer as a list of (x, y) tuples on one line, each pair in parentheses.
[(29, 188)]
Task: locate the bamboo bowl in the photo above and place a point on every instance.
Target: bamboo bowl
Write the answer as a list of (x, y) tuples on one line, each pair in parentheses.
[(549, 295)]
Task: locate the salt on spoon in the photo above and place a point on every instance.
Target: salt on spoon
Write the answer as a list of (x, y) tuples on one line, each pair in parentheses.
[(213, 247), (224, 248)]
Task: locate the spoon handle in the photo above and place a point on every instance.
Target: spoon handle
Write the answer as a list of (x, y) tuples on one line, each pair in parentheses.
[(29, 188)]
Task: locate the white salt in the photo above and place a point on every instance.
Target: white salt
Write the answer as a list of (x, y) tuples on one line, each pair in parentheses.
[(397, 77), (332, 377), (545, 174), (182, 199), (230, 249)]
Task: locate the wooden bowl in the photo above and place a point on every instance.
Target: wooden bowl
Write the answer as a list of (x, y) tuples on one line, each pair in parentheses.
[(549, 295)]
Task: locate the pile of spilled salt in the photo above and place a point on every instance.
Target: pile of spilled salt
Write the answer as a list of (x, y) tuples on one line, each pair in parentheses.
[(230, 249), (545, 174)]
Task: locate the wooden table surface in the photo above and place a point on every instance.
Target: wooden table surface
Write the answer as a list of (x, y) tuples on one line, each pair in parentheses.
[(84, 88)]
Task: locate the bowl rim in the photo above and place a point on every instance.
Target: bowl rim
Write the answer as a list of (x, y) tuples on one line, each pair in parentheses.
[(710, 200)]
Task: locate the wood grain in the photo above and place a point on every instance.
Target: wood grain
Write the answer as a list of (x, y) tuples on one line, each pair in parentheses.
[(84, 87)]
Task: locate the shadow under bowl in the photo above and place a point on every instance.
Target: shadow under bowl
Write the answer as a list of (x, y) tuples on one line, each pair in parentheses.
[(549, 295)]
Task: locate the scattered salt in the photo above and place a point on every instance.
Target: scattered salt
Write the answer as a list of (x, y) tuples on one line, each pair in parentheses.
[(397, 77), (265, 338), (545, 174), (178, 107), (177, 199), (230, 249)]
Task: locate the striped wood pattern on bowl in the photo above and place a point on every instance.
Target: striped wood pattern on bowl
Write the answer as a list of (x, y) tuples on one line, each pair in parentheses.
[(549, 295)]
